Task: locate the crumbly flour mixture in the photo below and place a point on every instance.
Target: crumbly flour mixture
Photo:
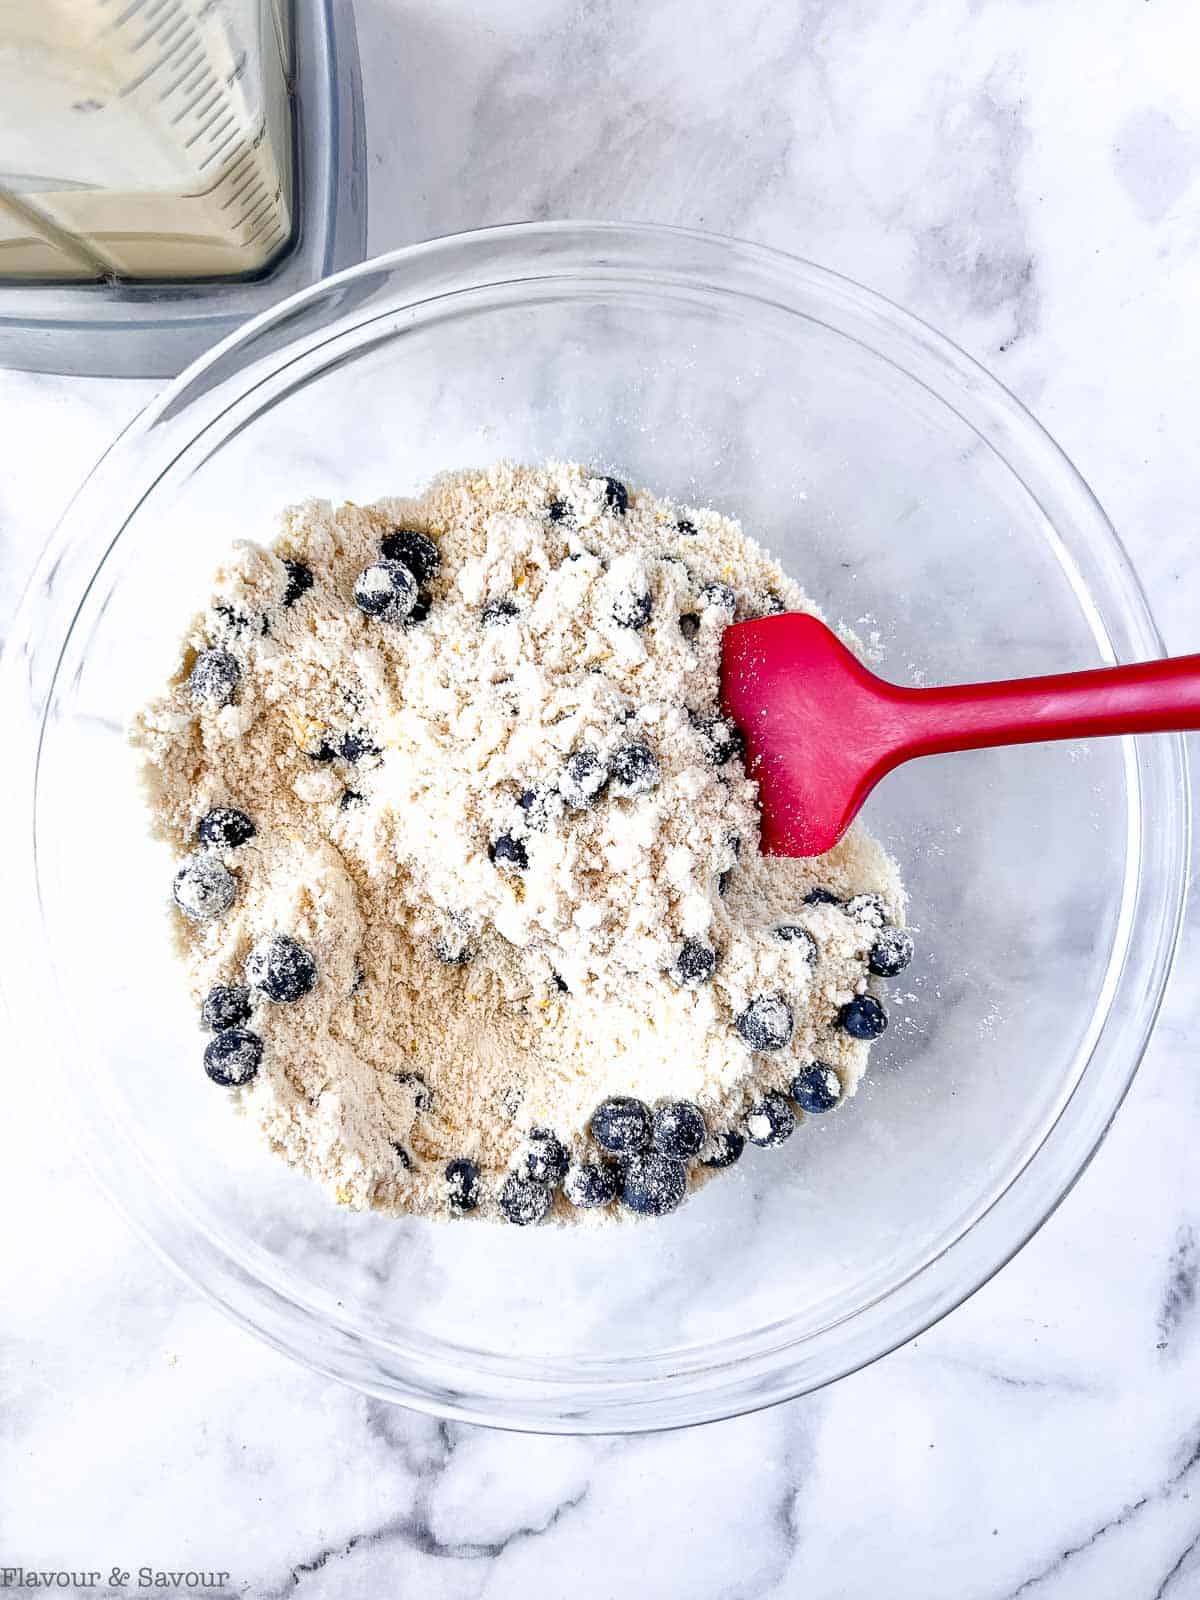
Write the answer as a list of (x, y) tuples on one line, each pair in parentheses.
[(468, 888)]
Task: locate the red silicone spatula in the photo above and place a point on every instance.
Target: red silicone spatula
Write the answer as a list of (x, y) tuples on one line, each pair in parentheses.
[(821, 730)]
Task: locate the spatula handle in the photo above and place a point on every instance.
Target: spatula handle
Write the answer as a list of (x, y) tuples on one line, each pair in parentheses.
[(1149, 697)]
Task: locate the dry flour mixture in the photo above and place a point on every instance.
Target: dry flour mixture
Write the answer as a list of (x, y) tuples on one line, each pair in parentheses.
[(468, 888)]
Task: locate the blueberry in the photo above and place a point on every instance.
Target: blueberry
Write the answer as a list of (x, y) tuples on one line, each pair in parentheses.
[(720, 739), (635, 770), (723, 881), (724, 1149), (557, 510), (891, 952), (694, 964), (772, 605), (420, 608), (591, 1184), (203, 888), (818, 1088), (583, 779), (616, 495), (679, 1130), (462, 1185), (559, 982), (770, 1121), (621, 1125), (324, 752), (821, 897), (766, 1023), (351, 797), (539, 806), (689, 624), (498, 612), (225, 1006), (508, 854), (299, 581), (791, 933), (632, 608), (281, 967), (225, 828), (421, 1092), (543, 1158), (652, 1184), (719, 597), (868, 909), (402, 1155), (863, 1017), (214, 677), (523, 1201), (354, 746), (386, 590), (232, 1057), (413, 550), (686, 528)]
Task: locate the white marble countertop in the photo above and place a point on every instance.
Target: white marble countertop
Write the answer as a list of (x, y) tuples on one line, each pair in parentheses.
[(1027, 177)]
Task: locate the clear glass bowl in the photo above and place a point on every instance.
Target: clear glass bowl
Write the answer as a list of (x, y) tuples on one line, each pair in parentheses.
[(911, 494)]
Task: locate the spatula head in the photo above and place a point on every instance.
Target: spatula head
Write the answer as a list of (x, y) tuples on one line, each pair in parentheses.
[(819, 727)]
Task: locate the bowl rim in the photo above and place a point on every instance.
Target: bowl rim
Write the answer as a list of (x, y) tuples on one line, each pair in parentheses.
[(493, 1392)]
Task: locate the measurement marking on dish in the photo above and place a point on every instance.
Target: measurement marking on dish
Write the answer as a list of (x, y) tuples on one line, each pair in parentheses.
[(221, 124), (193, 77), (252, 210), (272, 240), (247, 215), (134, 9), (181, 28), (143, 77), (179, 21), (213, 154), (253, 176), (129, 11), (233, 175), (205, 88), (190, 69), (210, 112), (200, 131), (264, 209)]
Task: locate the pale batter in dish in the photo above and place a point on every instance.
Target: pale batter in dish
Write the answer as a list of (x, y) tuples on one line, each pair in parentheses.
[(469, 888)]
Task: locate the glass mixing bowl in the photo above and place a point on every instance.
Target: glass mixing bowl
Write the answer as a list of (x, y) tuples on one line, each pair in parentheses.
[(912, 495)]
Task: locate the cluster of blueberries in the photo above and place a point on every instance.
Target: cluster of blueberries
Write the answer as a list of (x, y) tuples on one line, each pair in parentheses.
[(643, 1164), (645, 1155), (631, 771), (278, 967), (394, 588)]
